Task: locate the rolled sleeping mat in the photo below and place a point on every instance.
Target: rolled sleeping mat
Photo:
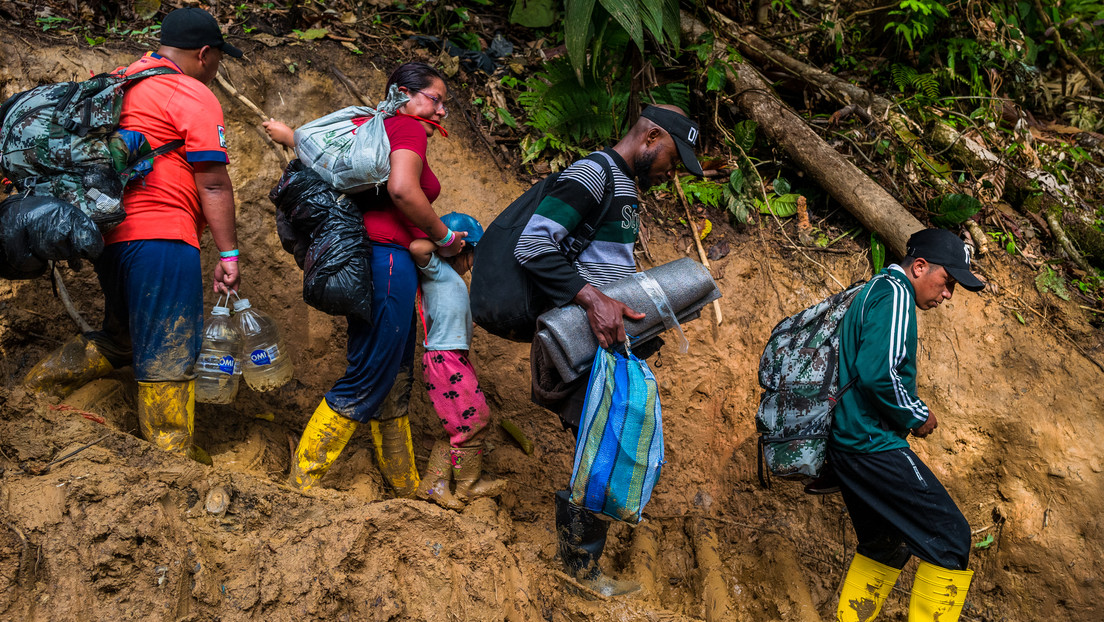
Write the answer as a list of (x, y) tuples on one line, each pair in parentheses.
[(669, 295)]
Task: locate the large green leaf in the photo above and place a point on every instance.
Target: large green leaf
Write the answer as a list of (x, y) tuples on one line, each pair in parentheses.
[(627, 13), (577, 32), (534, 13), (783, 206), (877, 252), (671, 22), (953, 209), (743, 134), (715, 77), (652, 15)]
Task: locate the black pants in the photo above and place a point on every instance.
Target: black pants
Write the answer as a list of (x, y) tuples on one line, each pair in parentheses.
[(899, 508)]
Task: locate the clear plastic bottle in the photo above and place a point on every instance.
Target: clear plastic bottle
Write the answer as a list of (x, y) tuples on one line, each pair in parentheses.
[(265, 362), (218, 369)]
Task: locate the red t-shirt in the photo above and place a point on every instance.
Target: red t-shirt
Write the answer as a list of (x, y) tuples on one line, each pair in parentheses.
[(164, 205), (384, 222)]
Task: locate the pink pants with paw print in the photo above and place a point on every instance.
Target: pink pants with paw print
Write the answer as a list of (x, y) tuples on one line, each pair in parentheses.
[(455, 394)]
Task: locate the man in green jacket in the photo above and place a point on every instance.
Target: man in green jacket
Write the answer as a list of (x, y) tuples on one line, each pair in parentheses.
[(897, 506)]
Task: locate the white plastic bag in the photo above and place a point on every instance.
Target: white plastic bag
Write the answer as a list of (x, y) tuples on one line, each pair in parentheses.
[(348, 156)]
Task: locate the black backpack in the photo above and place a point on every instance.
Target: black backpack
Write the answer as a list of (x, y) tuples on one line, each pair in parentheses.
[(504, 300)]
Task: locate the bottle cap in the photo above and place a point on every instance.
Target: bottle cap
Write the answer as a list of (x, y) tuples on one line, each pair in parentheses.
[(241, 304), (217, 310)]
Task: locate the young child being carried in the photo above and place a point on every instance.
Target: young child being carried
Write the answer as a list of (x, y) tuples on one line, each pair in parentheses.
[(448, 374)]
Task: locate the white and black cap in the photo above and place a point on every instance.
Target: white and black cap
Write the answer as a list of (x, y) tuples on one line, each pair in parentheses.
[(943, 248), (681, 128)]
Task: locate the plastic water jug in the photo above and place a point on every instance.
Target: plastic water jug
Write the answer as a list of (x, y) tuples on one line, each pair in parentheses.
[(218, 369), (266, 364)]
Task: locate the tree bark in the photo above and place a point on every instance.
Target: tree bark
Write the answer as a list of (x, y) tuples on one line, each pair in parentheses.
[(875, 208)]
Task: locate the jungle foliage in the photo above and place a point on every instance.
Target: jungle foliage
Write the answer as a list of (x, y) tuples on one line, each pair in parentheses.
[(1021, 78)]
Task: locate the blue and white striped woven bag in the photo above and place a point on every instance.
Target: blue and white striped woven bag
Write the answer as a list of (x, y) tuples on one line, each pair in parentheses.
[(619, 452)]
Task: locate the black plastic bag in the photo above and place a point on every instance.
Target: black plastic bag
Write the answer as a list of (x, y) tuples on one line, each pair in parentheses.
[(35, 230), (323, 229), (302, 201), (337, 272)]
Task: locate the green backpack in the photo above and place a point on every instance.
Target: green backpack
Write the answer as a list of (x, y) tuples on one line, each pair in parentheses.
[(63, 140)]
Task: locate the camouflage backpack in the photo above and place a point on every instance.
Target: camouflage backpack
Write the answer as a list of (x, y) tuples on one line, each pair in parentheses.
[(63, 140), (799, 374)]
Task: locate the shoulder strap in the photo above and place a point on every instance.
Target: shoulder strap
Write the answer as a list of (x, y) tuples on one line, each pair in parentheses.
[(862, 318), (584, 233), (163, 149), (146, 73)]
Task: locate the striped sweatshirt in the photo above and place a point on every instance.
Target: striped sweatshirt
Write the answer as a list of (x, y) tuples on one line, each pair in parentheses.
[(573, 198), (878, 345)]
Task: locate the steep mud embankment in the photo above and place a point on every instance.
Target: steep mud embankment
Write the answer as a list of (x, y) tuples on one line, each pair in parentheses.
[(123, 530)]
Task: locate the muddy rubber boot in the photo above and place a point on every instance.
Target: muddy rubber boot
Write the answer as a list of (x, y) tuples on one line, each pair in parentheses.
[(437, 480), (467, 472), (166, 415), (66, 369), (865, 589), (938, 594), (395, 454), (582, 538), (326, 435)]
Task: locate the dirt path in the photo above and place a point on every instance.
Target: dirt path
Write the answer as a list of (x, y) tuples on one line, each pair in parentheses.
[(123, 531)]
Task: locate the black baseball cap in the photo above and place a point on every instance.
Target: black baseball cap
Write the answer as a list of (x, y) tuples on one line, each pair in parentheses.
[(681, 128), (191, 28), (941, 247)]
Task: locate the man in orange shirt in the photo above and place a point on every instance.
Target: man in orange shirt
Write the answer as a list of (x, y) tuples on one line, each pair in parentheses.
[(150, 270)]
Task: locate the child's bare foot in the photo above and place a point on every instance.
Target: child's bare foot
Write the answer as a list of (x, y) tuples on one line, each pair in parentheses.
[(280, 133)]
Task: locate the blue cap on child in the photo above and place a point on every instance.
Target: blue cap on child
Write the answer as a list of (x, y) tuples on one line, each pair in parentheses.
[(462, 222)]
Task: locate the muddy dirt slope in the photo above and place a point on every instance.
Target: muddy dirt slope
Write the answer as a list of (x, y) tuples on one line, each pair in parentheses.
[(123, 531)]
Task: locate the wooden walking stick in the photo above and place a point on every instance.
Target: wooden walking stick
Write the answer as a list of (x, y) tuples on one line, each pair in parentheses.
[(697, 241), (235, 93)]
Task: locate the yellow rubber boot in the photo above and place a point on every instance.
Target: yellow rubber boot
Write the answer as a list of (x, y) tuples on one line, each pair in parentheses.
[(166, 415), (436, 483), (938, 593), (395, 454), (326, 435), (66, 369), (865, 588)]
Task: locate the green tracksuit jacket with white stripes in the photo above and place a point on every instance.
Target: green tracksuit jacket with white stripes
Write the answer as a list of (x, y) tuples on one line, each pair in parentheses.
[(878, 344)]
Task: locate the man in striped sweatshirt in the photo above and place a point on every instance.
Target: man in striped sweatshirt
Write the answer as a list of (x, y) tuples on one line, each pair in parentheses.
[(897, 506), (645, 157)]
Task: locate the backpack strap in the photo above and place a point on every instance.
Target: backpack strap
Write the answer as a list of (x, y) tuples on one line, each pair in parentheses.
[(163, 149), (584, 233), (862, 317)]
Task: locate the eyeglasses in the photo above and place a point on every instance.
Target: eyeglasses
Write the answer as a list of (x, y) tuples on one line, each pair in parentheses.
[(436, 102)]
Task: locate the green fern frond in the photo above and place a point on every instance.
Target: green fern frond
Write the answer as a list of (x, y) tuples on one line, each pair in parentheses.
[(675, 94), (903, 76), (927, 84), (586, 115)]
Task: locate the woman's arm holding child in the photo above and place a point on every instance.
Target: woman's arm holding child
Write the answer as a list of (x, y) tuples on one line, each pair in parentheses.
[(421, 250)]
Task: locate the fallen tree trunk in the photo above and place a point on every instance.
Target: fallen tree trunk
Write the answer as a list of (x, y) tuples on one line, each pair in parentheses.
[(855, 99), (875, 208)]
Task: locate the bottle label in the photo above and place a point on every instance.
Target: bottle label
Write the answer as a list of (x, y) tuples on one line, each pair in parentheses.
[(214, 364), (228, 365), (264, 356)]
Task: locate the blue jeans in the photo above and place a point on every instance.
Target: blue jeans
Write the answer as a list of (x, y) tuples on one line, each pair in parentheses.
[(380, 352), (153, 308)]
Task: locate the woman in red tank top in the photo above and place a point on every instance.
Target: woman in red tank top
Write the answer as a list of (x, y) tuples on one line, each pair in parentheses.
[(377, 382)]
